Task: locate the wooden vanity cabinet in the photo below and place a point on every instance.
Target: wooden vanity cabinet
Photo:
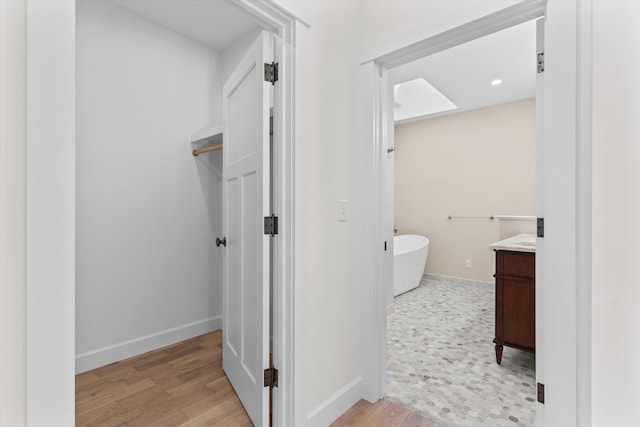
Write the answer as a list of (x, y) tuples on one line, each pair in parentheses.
[(515, 301)]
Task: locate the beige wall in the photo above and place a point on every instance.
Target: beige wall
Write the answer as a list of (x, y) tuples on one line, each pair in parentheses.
[(476, 163)]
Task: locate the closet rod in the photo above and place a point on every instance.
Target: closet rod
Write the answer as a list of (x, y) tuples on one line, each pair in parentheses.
[(206, 150)]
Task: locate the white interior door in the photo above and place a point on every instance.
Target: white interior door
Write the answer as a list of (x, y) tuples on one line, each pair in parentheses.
[(246, 195)]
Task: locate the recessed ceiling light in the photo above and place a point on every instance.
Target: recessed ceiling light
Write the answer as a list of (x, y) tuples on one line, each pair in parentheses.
[(496, 82)]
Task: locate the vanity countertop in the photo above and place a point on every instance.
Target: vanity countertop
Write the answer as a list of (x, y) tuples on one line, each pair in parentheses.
[(519, 243)]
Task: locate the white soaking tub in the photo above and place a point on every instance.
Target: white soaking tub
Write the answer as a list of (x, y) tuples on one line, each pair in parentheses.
[(410, 253)]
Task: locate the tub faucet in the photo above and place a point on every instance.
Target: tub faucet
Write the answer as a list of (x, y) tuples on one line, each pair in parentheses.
[(395, 229)]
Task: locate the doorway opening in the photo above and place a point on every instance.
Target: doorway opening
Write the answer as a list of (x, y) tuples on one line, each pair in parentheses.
[(380, 71), (158, 84), (462, 179)]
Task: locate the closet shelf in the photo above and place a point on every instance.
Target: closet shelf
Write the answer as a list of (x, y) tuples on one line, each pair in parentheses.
[(208, 139)]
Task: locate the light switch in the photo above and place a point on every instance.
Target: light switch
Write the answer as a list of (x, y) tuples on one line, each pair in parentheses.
[(342, 210)]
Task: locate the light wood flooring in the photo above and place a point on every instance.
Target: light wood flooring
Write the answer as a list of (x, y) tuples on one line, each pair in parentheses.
[(379, 414), (179, 385), (184, 385)]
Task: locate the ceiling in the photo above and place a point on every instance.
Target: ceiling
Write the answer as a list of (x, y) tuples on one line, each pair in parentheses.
[(464, 73), (214, 23)]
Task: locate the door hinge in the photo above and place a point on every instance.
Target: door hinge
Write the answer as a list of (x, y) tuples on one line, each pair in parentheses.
[(271, 225), (271, 72), (540, 393), (540, 222), (271, 377), (540, 60)]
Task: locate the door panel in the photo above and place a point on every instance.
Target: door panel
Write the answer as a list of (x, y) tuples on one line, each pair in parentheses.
[(232, 266), (246, 196), (250, 303), (242, 105)]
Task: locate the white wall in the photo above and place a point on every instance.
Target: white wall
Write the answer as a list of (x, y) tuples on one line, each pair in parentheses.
[(475, 163), (387, 25), (616, 209), (50, 200), (13, 87), (148, 212), (326, 102)]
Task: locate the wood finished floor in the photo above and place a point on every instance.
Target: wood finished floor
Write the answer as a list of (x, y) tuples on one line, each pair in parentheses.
[(179, 385), (184, 385), (383, 413)]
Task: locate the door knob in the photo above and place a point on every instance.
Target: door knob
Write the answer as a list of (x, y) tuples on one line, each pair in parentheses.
[(222, 242)]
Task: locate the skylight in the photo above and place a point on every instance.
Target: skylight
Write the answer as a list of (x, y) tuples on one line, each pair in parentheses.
[(417, 98)]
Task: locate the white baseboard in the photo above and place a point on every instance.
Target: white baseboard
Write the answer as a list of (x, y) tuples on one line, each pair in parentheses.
[(462, 278), (114, 353), (337, 404)]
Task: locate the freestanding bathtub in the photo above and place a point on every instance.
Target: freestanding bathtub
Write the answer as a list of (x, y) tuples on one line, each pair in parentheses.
[(410, 253)]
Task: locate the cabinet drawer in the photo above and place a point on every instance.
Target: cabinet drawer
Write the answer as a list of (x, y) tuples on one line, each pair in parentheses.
[(516, 264)]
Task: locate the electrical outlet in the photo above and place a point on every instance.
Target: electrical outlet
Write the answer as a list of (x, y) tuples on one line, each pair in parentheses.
[(467, 263)]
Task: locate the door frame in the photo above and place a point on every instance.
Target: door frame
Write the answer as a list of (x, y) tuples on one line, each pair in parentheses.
[(50, 211), (566, 137)]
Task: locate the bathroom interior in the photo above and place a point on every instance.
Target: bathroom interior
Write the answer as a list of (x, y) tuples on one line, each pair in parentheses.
[(461, 325)]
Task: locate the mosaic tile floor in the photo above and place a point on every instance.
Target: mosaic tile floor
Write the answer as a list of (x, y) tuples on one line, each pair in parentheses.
[(441, 360)]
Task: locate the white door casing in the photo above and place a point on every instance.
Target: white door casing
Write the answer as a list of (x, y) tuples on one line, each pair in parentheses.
[(564, 330), (246, 196), (539, 299), (387, 185)]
